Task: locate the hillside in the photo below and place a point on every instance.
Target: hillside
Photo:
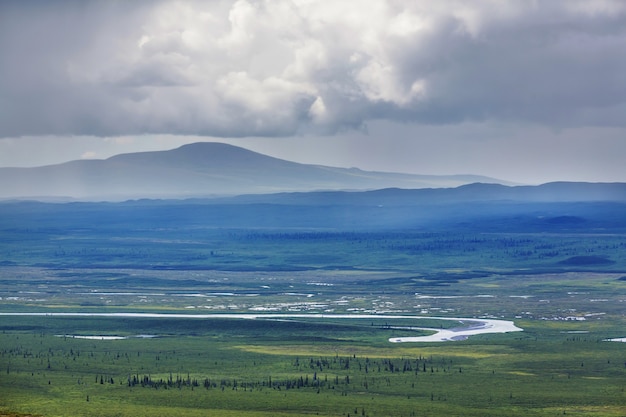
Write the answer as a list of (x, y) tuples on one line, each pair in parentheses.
[(553, 192), (200, 170)]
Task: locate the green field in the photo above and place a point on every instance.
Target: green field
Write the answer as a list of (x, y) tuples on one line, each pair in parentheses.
[(328, 367), (236, 367), (562, 283)]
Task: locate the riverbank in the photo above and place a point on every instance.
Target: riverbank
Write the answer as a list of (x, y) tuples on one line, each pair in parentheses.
[(474, 326)]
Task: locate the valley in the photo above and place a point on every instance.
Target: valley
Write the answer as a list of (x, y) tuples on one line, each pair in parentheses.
[(295, 208), (290, 306)]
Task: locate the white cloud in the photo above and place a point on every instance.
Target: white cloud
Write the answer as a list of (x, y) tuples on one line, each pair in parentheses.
[(282, 67), (89, 155)]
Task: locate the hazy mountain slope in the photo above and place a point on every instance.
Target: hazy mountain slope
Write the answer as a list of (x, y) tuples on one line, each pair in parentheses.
[(554, 192), (200, 169), (391, 209)]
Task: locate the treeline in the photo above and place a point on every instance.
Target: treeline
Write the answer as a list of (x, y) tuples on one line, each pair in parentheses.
[(516, 246), (333, 373), (368, 365), (303, 381)]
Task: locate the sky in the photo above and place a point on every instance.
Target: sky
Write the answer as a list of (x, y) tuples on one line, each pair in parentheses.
[(525, 91)]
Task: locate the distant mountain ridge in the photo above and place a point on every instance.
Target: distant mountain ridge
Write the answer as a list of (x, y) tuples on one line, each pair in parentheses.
[(201, 169), (553, 192)]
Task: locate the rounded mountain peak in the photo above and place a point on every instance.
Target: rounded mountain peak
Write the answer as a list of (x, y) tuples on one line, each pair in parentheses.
[(205, 155)]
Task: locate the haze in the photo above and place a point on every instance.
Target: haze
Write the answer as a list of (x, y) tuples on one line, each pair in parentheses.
[(529, 92)]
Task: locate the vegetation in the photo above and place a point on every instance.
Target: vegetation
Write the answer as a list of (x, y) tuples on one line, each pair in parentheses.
[(560, 280), (244, 367)]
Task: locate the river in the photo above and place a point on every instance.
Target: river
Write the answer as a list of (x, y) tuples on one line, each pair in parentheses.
[(474, 325)]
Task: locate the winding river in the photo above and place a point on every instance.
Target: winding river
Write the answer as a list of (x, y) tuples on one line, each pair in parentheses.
[(470, 326)]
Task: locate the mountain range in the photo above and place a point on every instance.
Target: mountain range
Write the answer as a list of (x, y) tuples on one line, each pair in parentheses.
[(553, 192), (201, 170)]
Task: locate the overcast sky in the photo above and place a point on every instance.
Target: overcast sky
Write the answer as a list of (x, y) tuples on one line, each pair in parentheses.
[(527, 91)]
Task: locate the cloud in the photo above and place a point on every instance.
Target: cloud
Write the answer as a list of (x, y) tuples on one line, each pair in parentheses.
[(88, 155), (284, 67)]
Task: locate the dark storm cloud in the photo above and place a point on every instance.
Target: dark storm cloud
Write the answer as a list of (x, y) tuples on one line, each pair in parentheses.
[(256, 68)]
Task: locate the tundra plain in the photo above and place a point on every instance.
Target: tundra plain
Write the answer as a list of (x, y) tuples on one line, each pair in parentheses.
[(557, 270)]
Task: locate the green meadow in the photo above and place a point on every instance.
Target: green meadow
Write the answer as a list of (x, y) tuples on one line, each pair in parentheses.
[(261, 367), (564, 285)]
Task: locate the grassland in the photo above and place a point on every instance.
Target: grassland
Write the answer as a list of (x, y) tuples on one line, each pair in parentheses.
[(563, 284), (242, 367)]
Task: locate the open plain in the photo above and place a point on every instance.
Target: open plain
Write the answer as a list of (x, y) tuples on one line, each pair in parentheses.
[(169, 308)]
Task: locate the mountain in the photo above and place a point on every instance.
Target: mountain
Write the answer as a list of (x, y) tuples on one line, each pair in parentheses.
[(553, 192), (200, 170), (553, 207)]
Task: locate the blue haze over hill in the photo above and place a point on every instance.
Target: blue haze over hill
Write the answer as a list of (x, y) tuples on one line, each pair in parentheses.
[(200, 170)]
